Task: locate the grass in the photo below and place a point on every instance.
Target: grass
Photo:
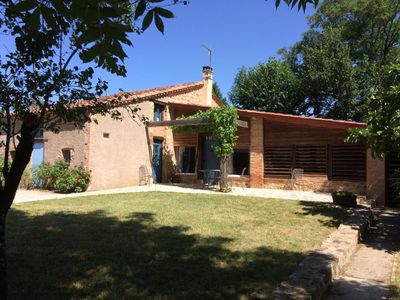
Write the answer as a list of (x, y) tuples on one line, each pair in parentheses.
[(160, 245), (396, 278)]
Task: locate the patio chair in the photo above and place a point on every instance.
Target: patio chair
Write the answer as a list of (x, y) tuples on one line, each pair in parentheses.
[(297, 175), (144, 175)]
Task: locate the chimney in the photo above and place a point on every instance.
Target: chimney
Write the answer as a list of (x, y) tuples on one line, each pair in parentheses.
[(208, 86)]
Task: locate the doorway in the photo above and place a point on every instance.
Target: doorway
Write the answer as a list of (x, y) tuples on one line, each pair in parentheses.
[(157, 161)]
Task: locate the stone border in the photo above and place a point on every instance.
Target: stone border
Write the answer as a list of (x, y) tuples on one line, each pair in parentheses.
[(316, 272)]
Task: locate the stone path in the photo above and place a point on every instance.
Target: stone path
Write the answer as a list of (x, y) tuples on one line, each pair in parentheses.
[(369, 272), (36, 195)]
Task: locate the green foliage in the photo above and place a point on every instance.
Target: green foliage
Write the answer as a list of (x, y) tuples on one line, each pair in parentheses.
[(301, 4), (62, 178), (327, 76), (383, 118), (46, 175), (74, 181), (371, 28), (223, 127), (268, 87), (217, 91)]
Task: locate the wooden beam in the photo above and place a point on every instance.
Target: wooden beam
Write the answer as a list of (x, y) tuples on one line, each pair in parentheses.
[(190, 122), (243, 124)]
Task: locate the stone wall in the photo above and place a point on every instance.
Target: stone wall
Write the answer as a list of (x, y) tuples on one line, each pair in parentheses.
[(316, 272), (376, 179)]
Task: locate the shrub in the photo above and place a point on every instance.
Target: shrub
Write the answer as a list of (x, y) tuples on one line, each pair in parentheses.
[(76, 180), (62, 178), (46, 175)]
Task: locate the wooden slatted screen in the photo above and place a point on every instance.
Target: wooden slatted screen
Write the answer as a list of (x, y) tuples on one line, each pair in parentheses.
[(348, 162), (312, 159), (278, 161)]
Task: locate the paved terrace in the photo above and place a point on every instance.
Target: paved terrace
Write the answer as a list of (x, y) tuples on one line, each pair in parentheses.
[(36, 195)]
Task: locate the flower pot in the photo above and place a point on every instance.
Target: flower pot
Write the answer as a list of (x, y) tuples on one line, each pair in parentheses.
[(346, 199)]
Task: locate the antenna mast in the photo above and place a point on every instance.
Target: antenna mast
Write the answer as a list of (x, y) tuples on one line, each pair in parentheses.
[(210, 52)]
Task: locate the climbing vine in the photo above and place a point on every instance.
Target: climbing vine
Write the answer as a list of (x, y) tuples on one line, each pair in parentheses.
[(223, 127)]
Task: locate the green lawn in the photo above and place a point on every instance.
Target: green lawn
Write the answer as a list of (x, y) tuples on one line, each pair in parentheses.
[(160, 245)]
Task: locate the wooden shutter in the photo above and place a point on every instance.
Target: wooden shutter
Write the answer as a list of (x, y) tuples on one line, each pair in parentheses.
[(311, 158), (278, 161), (349, 162)]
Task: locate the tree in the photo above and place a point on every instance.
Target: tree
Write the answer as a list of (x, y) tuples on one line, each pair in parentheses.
[(327, 76), (371, 28), (383, 118), (217, 91), (271, 86), (47, 80)]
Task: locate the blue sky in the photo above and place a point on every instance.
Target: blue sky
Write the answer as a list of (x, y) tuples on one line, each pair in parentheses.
[(241, 33)]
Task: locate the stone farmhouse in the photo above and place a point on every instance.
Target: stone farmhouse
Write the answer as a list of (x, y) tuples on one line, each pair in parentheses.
[(269, 148)]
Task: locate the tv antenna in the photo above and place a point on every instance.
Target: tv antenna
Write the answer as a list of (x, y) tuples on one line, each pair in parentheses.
[(210, 52)]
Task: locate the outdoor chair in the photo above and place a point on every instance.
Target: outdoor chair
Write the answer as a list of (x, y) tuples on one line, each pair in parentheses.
[(297, 175), (243, 183), (144, 175)]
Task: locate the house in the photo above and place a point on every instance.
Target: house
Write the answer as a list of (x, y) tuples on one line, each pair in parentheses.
[(267, 151)]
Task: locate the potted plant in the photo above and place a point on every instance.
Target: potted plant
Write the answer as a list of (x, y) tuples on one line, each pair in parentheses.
[(344, 198)]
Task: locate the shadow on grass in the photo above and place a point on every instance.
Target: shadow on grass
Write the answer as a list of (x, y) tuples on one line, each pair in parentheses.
[(336, 214), (76, 256)]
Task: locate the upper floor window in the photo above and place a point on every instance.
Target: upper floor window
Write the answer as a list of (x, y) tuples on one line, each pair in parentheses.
[(158, 112)]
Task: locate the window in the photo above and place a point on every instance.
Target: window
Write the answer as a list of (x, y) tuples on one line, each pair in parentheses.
[(158, 112), (106, 135), (67, 155), (239, 162), (186, 159)]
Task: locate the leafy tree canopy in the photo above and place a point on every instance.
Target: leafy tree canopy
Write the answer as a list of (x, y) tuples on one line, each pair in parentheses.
[(383, 118), (271, 86)]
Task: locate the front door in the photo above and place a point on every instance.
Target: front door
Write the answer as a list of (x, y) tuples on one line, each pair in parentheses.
[(157, 161), (37, 154)]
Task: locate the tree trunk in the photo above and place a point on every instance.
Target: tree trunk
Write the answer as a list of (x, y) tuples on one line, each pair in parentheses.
[(223, 181), (22, 157)]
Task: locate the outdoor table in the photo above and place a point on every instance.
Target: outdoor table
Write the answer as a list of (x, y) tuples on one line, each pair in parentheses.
[(210, 176)]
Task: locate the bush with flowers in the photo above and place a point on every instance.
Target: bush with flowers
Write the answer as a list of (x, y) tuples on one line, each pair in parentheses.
[(62, 178)]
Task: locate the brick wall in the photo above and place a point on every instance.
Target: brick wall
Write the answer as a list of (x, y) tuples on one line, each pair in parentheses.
[(376, 179), (256, 153)]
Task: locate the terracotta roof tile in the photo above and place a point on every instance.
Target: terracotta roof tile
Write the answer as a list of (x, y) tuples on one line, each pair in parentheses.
[(145, 94)]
